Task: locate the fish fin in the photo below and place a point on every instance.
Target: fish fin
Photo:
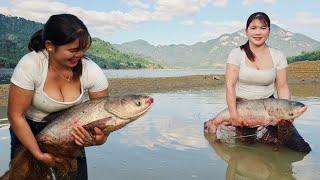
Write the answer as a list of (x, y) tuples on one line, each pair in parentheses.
[(101, 124)]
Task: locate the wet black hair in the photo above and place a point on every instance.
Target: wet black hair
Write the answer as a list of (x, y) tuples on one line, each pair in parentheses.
[(62, 29), (263, 17)]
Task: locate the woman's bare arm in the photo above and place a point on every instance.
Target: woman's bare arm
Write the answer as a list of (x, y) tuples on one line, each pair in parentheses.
[(231, 78), (18, 102), (282, 84)]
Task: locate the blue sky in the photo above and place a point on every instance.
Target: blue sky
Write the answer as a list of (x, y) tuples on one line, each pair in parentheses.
[(171, 21)]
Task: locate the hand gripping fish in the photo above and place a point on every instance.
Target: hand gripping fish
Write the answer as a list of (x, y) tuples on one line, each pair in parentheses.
[(109, 114)]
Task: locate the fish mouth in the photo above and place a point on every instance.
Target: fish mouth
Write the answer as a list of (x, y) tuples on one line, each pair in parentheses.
[(303, 109)]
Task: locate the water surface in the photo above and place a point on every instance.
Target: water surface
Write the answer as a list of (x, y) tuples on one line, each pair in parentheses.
[(5, 74), (168, 143)]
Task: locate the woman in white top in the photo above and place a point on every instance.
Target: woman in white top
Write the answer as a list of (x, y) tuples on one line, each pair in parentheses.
[(255, 70), (52, 77)]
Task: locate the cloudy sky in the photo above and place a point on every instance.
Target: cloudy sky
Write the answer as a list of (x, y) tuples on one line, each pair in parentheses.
[(170, 21)]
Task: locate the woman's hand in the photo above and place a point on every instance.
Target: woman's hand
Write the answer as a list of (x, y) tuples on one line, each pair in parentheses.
[(83, 138), (235, 120), (49, 159)]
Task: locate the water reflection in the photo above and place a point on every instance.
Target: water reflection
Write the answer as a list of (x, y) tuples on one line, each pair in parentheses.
[(164, 132), (175, 121), (255, 161)]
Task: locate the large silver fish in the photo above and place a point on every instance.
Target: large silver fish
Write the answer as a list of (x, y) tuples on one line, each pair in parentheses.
[(255, 113), (109, 114)]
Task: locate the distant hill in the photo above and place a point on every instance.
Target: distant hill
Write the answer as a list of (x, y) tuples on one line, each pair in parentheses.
[(15, 33), (106, 56), (215, 51)]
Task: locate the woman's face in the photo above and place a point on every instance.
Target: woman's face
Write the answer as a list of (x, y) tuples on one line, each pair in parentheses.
[(257, 32), (67, 55)]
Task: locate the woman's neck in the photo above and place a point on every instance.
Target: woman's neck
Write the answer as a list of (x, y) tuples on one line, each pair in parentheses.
[(58, 67), (257, 49), (60, 71)]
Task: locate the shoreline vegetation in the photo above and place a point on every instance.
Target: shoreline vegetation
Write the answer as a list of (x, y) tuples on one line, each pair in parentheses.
[(303, 78)]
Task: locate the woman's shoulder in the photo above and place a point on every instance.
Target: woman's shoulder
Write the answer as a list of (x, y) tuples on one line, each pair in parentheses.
[(32, 59), (236, 51), (235, 56), (94, 78), (89, 64), (28, 71), (279, 58), (90, 68)]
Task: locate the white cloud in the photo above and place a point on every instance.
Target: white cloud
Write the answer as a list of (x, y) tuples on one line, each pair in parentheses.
[(249, 2), (307, 18), (215, 29), (278, 23), (106, 22), (220, 2), (137, 4), (166, 9), (209, 35), (187, 23), (101, 22)]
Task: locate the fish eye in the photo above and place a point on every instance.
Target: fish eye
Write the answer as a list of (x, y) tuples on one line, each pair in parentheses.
[(291, 114), (138, 103)]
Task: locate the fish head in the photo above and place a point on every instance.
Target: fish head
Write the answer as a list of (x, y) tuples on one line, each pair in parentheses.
[(129, 107), (296, 109), (287, 110)]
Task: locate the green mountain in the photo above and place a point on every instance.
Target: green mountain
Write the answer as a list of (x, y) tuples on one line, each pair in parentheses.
[(15, 33), (14, 37), (215, 52), (105, 55), (310, 56)]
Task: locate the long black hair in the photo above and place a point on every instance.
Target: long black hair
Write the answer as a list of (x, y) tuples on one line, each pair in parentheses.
[(62, 29), (263, 17)]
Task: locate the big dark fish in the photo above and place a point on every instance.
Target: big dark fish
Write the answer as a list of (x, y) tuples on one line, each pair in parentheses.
[(109, 114)]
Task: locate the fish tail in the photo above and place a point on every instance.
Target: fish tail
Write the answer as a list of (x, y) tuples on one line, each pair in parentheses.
[(25, 166)]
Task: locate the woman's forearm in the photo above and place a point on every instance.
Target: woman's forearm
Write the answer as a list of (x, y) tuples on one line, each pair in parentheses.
[(231, 99), (22, 130), (283, 92), (282, 84)]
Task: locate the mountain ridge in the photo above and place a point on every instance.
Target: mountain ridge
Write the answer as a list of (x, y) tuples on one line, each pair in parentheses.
[(215, 51), (15, 33)]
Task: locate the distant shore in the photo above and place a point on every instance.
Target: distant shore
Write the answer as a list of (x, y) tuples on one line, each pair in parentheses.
[(306, 72), (121, 86)]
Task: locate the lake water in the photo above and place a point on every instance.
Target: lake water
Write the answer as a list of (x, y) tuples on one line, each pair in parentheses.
[(5, 74), (168, 143)]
